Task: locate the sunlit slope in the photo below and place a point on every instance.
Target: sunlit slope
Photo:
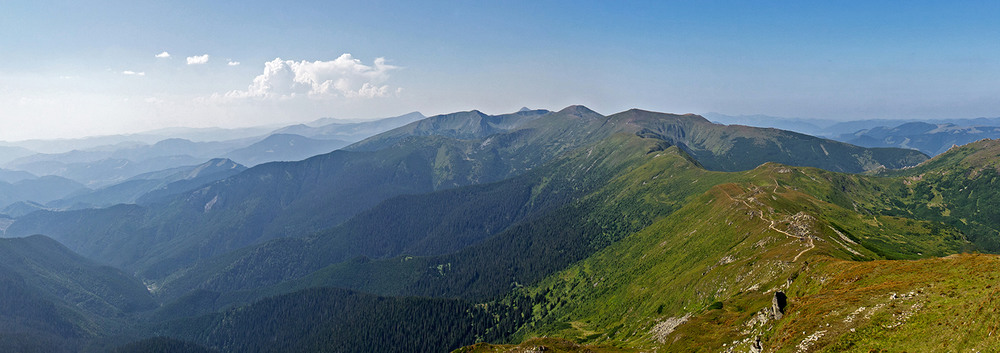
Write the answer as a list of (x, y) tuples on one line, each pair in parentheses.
[(450, 221), (535, 137), (960, 187), (297, 199), (737, 147), (707, 274), (647, 245)]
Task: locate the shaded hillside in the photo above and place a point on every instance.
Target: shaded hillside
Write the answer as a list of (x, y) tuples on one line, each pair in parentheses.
[(714, 251), (419, 225), (161, 345), (526, 252), (282, 199), (326, 319), (639, 230), (447, 151), (367, 235), (54, 300)]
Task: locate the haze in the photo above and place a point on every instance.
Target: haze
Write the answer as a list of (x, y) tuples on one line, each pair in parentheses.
[(72, 68)]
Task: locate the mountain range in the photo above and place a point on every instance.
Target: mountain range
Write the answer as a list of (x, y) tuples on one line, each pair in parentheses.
[(537, 230), (932, 139), (113, 164)]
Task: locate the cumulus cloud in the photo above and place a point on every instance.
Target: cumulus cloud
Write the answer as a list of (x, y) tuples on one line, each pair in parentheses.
[(133, 73), (163, 55), (233, 63), (197, 60), (344, 76)]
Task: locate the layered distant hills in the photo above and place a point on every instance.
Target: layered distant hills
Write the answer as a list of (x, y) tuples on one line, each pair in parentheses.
[(931, 137), (81, 173), (634, 231)]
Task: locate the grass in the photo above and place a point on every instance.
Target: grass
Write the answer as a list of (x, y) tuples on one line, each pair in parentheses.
[(722, 255)]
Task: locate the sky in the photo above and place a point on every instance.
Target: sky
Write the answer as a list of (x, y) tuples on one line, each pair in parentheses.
[(81, 68)]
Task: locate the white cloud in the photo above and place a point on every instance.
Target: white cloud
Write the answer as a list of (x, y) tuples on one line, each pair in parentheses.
[(344, 76), (197, 60), (133, 73), (233, 63), (163, 55)]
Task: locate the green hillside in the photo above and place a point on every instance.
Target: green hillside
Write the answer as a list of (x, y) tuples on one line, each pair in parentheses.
[(53, 300), (629, 232), (536, 138), (742, 235), (732, 246), (299, 198), (417, 225), (960, 188), (705, 277), (326, 319)]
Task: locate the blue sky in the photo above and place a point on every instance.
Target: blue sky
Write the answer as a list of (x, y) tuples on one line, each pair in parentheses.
[(72, 68)]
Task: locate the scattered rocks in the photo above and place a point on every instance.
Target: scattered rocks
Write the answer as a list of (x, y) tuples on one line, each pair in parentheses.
[(665, 327), (809, 341), (850, 317), (800, 225)]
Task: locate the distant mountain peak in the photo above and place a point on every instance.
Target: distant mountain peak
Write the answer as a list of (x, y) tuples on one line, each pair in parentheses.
[(413, 115), (579, 110), (640, 114)]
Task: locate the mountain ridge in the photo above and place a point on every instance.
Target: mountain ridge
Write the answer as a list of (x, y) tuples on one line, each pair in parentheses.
[(570, 224)]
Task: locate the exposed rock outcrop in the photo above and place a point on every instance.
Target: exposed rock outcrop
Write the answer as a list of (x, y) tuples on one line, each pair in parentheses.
[(778, 303)]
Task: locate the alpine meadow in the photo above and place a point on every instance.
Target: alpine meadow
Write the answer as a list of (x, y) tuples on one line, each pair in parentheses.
[(255, 177)]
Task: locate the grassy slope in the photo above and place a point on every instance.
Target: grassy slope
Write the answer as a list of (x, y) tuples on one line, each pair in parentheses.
[(296, 199), (648, 191), (960, 188), (685, 266), (736, 147), (720, 258), (416, 225), (545, 136)]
